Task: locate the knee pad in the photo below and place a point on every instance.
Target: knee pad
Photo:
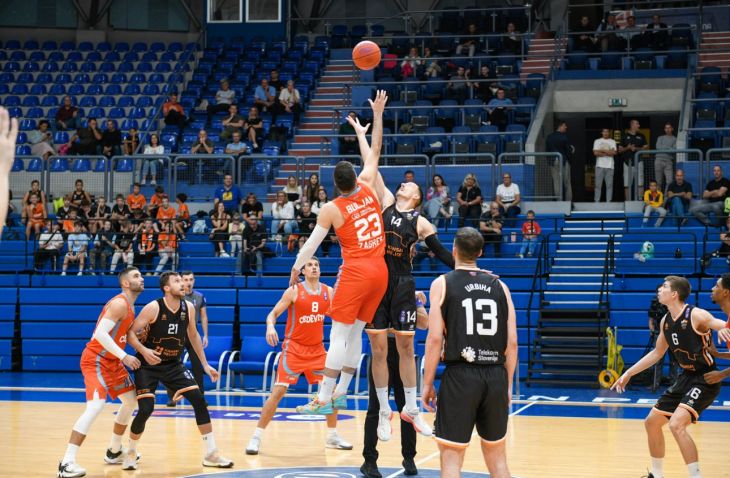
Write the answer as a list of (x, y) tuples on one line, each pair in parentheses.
[(338, 342), (129, 403), (93, 408), (202, 416), (146, 407)]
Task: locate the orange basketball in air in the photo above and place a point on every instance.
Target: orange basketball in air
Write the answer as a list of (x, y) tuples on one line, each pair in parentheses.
[(366, 55)]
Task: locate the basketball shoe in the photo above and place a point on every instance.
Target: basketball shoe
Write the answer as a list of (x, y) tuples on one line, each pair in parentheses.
[(129, 460), (337, 443), (414, 418), (217, 461), (116, 458), (339, 402), (70, 470), (253, 446), (384, 427), (315, 407)]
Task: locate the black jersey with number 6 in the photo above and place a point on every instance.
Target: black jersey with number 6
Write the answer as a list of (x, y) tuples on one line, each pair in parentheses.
[(475, 315), (168, 332), (690, 348), (400, 235)]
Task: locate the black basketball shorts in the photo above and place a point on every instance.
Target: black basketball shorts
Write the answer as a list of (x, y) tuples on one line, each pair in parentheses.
[(397, 309), (689, 391), (172, 374), (472, 395)]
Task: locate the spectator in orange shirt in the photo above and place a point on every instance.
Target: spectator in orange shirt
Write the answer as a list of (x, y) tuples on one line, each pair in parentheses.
[(183, 215), (70, 221), (167, 245), (146, 246), (173, 112), (156, 200), (136, 200), (165, 213), (35, 212), (530, 232)]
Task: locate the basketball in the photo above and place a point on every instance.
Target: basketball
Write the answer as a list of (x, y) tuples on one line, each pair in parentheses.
[(366, 55)]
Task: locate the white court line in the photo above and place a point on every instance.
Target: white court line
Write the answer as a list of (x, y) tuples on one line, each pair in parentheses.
[(436, 453)]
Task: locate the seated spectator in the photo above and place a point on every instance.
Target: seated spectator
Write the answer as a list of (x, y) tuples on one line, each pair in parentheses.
[(167, 247), (41, 141), (322, 199), (78, 243), (202, 145), (35, 214), (236, 148), (290, 101), (282, 212), (62, 212), (182, 224), (306, 221), (146, 246), (498, 109), (311, 188), (235, 235), (79, 197), (275, 81), (252, 207), (139, 216), (136, 200), (103, 248), (347, 137), (293, 191), (531, 231), (458, 85), (583, 40), (165, 213), (433, 68), (606, 35), (656, 34), (486, 84), (229, 194), (174, 113), (98, 214), (679, 195), (663, 162), (508, 199), (409, 176), (411, 64), (130, 143), (653, 201), (149, 166), (438, 200), (632, 34), (67, 116), (156, 201), (724, 249), (35, 190), (713, 199), (219, 233), (512, 40), (265, 98), (111, 140), (50, 244), (224, 98), (254, 127), (469, 41), (120, 212), (70, 222), (88, 138), (233, 123), (490, 225), (123, 245), (469, 198), (254, 246)]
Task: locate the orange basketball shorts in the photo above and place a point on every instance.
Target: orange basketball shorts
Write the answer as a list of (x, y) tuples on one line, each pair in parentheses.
[(297, 359), (104, 376), (360, 286)]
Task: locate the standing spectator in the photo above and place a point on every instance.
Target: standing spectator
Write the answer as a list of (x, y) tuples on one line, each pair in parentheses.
[(490, 225), (136, 200), (282, 212), (558, 142), (123, 245), (88, 140), (469, 198), (36, 215), (111, 140), (50, 244), (254, 244), (219, 233), (67, 116), (41, 141), (183, 215), (291, 101), (235, 236), (458, 85), (252, 207), (156, 201), (293, 191), (120, 212), (604, 149), (713, 199), (679, 195), (78, 242), (174, 112), (469, 41), (498, 109), (583, 40), (631, 141), (254, 127), (653, 200), (166, 213), (103, 248), (265, 98), (35, 190), (512, 40), (347, 138), (531, 231), (663, 164), (150, 165), (484, 84), (508, 199), (275, 81), (202, 145), (438, 200), (130, 143), (98, 214), (233, 123), (322, 199), (146, 249), (410, 64), (224, 97), (606, 34), (311, 188), (229, 194), (656, 35), (167, 246), (79, 197), (306, 221)]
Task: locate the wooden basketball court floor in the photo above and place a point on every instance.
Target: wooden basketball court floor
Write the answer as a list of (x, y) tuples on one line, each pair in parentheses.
[(553, 433)]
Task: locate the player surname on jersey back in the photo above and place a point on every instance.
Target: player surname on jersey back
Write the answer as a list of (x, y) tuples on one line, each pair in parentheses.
[(478, 286), (351, 208)]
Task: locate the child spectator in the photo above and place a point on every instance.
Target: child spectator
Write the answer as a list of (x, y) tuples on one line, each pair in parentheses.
[(183, 215), (103, 247), (136, 200), (70, 222), (235, 235), (530, 232), (146, 246), (123, 245), (167, 245), (156, 200), (165, 213), (99, 213), (219, 234), (653, 200), (35, 212), (77, 246), (120, 212)]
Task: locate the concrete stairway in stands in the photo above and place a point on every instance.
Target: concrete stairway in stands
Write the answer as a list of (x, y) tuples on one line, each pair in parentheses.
[(540, 54), (710, 43)]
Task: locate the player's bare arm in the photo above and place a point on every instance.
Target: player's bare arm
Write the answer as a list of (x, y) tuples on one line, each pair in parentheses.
[(328, 216), (116, 312), (703, 322), (717, 376), (421, 312), (8, 135), (369, 173), (511, 352), (204, 324), (434, 343), (197, 344), (146, 317), (646, 361), (286, 300)]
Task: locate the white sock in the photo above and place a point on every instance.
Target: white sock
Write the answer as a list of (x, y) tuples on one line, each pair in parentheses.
[(326, 389), (410, 393), (132, 444), (331, 432), (209, 441), (383, 398), (694, 470), (116, 443), (70, 456), (344, 383), (258, 433), (657, 467)]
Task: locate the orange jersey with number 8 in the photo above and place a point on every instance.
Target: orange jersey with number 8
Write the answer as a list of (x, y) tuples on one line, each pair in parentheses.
[(305, 320), (361, 235)]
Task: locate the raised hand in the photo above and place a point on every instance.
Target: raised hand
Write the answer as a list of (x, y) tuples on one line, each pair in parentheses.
[(359, 129), (378, 106)]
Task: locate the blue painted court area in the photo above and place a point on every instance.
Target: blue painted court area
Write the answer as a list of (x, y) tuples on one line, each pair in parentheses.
[(325, 472)]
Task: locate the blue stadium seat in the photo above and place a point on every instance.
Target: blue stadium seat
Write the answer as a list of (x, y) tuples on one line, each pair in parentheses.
[(25, 125), (12, 100), (18, 55), (38, 89), (130, 56), (59, 165), (97, 113), (11, 66), (113, 89), (76, 57), (53, 100), (12, 45), (31, 45), (175, 47), (88, 67), (149, 56), (151, 89), (121, 47), (69, 45), (60, 137), (128, 124), (49, 45), (22, 150), (36, 112), (87, 101), (17, 165), (82, 78), (30, 101), (157, 47), (132, 89), (44, 78), (144, 101), (62, 78), (125, 165), (37, 56), (81, 165), (100, 166), (35, 165), (19, 89), (116, 113), (69, 67), (51, 67), (104, 46), (255, 356), (107, 101)]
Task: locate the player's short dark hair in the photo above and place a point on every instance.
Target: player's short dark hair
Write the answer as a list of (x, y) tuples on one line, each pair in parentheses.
[(345, 177), (420, 196), (469, 243), (165, 279), (186, 273), (125, 272), (652, 181), (680, 285), (725, 281)]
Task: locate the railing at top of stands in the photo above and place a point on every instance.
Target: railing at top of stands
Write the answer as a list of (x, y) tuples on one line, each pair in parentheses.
[(678, 155)]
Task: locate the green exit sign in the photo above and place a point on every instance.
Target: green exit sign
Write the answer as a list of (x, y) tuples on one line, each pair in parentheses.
[(613, 102)]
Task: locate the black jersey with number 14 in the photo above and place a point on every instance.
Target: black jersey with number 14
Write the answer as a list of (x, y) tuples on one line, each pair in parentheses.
[(400, 234), (690, 348), (167, 333), (475, 315)]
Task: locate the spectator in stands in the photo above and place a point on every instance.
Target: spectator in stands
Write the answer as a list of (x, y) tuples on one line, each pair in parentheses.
[(409, 176), (123, 245), (202, 145), (508, 199), (167, 247), (174, 113), (229, 194), (438, 200), (485, 84), (35, 214), (632, 34), (322, 199), (136, 200), (653, 201), (233, 123), (498, 109), (293, 191), (265, 98), (235, 235), (111, 140), (224, 97), (290, 101), (583, 40), (79, 197), (656, 34), (62, 212), (252, 207), (604, 149), (458, 85), (632, 140), (254, 127), (130, 143), (558, 142), (78, 243), (88, 138), (70, 221), (103, 248), (67, 116), (274, 80), (156, 201), (606, 34), (236, 148), (41, 141), (149, 166), (254, 245), (139, 216), (146, 246), (469, 198), (713, 199), (120, 212), (512, 40), (531, 231), (98, 214), (490, 225), (347, 138), (411, 64), (663, 164), (433, 68), (469, 41), (35, 190), (284, 219), (166, 213), (311, 188), (306, 221), (182, 224), (679, 195), (50, 244), (219, 233)]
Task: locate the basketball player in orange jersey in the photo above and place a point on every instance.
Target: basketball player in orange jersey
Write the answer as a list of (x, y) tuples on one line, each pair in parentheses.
[(303, 352), (8, 135), (102, 364), (363, 276)]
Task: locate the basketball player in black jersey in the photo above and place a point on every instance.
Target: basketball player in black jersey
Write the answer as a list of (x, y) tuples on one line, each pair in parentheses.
[(158, 335), (472, 312), (687, 332)]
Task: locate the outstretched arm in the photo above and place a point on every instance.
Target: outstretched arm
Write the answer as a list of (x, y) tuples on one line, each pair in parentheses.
[(647, 361), (8, 134), (324, 223), (369, 172)]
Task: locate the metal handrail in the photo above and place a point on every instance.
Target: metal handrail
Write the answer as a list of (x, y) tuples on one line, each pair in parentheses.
[(537, 287), (608, 266)]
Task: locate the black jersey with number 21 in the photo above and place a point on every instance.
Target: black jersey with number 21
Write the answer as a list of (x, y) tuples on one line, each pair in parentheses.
[(168, 332), (475, 315)]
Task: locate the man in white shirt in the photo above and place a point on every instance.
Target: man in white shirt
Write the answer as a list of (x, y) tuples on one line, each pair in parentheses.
[(290, 100), (49, 245), (508, 198), (224, 98), (604, 149)]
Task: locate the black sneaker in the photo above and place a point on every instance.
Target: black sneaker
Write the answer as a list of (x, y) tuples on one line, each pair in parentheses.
[(369, 469), (410, 467), (113, 458), (171, 403)]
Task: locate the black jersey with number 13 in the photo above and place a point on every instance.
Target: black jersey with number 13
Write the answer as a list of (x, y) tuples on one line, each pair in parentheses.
[(475, 315), (400, 235), (168, 332)]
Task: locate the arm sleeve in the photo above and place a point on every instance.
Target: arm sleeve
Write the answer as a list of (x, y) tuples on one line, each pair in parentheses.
[(310, 247), (439, 250), (101, 334)]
